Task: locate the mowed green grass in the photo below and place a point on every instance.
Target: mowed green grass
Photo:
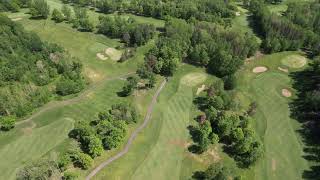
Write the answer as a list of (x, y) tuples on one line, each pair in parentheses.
[(283, 157), (32, 145), (160, 150)]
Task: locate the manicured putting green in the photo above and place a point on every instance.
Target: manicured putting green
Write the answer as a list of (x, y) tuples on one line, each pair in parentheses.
[(294, 61), (193, 79)]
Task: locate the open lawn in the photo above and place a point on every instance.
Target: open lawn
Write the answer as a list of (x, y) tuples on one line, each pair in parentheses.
[(283, 147)]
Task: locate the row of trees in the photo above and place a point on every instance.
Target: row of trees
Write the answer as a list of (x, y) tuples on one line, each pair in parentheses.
[(32, 71), (220, 123), (203, 10), (209, 45), (285, 33), (306, 109)]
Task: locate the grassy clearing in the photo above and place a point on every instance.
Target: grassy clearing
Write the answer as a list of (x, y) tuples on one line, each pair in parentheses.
[(283, 146)]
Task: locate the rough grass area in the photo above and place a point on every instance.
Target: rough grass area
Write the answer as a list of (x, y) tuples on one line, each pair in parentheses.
[(294, 61)]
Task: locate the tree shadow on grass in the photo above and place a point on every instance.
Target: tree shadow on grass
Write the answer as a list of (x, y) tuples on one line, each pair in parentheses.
[(307, 112)]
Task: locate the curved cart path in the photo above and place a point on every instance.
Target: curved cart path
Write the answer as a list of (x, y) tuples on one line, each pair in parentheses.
[(133, 135), (81, 96)]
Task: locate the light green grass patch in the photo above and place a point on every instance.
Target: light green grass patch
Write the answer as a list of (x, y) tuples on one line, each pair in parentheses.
[(32, 145), (283, 158), (193, 79), (294, 61)]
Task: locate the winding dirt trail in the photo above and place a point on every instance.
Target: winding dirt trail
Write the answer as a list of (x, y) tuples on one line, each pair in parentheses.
[(81, 96), (133, 135)]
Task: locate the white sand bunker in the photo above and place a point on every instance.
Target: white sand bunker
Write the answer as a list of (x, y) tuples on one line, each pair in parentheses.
[(294, 61), (259, 69), (102, 56), (193, 79), (200, 89), (111, 53), (283, 69), (286, 93)]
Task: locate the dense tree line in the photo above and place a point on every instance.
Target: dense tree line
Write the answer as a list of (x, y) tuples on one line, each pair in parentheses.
[(220, 123), (306, 109), (14, 5), (38, 8), (282, 33), (32, 71), (220, 50), (204, 10), (131, 33)]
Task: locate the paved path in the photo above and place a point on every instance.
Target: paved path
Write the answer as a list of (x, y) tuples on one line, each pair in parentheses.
[(133, 135), (81, 96)]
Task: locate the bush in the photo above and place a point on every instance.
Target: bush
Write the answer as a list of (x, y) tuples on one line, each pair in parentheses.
[(7, 122), (70, 176), (82, 160), (57, 16)]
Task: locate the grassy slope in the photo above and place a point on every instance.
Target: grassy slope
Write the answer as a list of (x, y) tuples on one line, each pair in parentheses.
[(165, 137), (283, 147), (84, 46)]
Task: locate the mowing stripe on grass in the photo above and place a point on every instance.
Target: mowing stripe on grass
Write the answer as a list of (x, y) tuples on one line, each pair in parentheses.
[(283, 150), (164, 160), (32, 146)]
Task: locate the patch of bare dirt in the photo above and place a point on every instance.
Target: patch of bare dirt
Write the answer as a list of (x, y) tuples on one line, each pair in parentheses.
[(286, 93), (16, 19), (28, 130), (273, 165), (214, 154), (93, 75), (259, 69)]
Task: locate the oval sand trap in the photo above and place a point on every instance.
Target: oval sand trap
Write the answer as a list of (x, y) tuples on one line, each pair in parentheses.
[(259, 69), (193, 79), (294, 61), (286, 93)]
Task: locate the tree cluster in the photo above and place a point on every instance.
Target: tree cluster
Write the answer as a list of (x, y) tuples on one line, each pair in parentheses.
[(131, 33), (81, 20), (14, 5), (203, 10), (220, 50), (32, 71), (221, 123), (106, 132), (282, 33)]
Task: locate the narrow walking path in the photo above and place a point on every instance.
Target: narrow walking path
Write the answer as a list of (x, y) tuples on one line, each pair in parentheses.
[(81, 96), (133, 135)]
